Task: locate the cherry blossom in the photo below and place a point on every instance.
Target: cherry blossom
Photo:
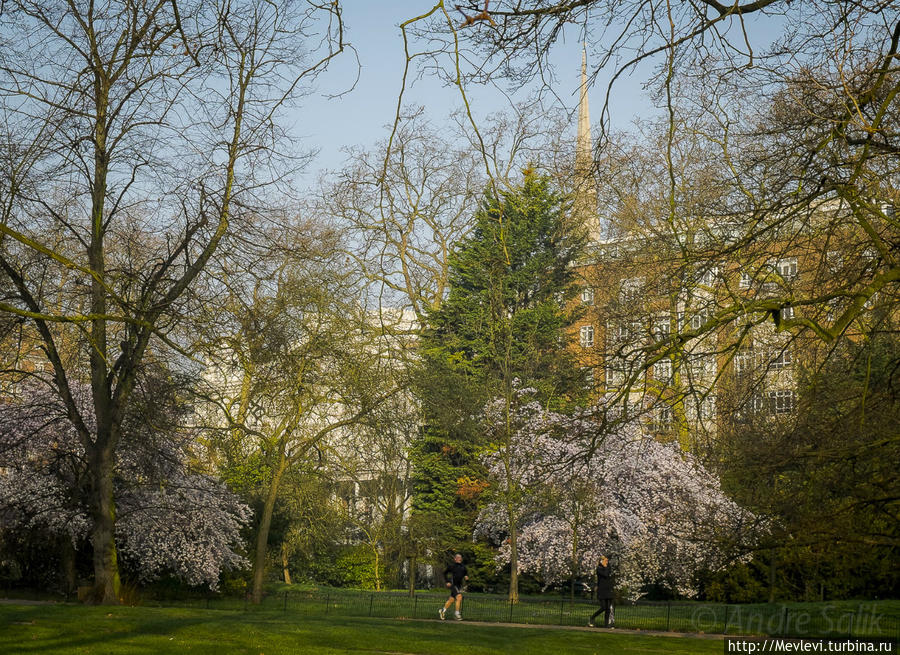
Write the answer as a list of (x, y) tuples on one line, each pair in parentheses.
[(171, 520), (581, 492)]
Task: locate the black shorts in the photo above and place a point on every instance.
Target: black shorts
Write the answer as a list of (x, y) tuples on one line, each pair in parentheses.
[(455, 591)]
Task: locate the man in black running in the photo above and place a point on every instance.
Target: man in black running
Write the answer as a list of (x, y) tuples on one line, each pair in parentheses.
[(457, 574)]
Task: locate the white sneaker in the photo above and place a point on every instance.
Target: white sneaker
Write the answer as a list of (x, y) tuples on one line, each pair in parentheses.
[(441, 613), (458, 616)]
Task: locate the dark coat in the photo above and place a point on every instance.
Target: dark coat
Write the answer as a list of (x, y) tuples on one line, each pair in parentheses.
[(605, 582)]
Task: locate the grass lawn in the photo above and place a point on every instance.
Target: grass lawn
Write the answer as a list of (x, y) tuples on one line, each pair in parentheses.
[(72, 629)]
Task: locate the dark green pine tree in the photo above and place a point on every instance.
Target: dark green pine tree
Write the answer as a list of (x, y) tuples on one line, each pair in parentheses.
[(502, 325)]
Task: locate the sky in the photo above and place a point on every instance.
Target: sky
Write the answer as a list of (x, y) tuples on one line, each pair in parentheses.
[(361, 116)]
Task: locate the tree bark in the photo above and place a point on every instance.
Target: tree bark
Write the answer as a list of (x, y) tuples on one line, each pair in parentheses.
[(513, 564), (67, 565), (286, 571), (262, 538), (103, 533)]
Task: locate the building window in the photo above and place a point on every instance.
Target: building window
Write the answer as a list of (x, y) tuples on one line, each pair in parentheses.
[(662, 370), (834, 260), (787, 312), (586, 336), (786, 268), (631, 290), (698, 319), (588, 372), (702, 367), (587, 296), (707, 408), (615, 377), (743, 362), (628, 332), (746, 280), (781, 402), (783, 359), (710, 276), (662, 328), (662, 419)]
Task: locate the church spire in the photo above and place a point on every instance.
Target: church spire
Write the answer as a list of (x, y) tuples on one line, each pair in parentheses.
[(584, 207)]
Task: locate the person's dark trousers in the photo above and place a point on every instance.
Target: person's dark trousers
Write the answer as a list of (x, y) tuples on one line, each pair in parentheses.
[(606, 608)]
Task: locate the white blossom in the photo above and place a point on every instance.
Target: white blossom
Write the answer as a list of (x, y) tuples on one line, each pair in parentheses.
[(169, 519), (581, 492)]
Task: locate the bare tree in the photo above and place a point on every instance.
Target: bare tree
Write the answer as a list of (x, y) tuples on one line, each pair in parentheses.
[(136, 137), (293, 359), (796, 106)]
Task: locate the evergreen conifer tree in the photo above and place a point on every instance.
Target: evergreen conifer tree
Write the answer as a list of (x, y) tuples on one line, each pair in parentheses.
[(503, 325)]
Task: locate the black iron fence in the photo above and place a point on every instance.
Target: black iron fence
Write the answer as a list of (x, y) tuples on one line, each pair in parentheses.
[(839, 619)]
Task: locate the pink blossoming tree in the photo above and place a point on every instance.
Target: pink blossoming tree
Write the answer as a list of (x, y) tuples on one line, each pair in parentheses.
[(571, 490), (171, 520)]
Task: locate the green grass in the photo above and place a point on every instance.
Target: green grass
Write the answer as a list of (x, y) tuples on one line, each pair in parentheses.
[(76, 629), (837, 619)]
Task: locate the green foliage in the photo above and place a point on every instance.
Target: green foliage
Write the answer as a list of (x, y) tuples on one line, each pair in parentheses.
[(827, 479), (740, 583), (246, 474), (348, 566), (504, 319)]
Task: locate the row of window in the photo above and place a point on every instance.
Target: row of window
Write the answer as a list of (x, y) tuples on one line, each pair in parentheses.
[(632, 289), (770, 403)]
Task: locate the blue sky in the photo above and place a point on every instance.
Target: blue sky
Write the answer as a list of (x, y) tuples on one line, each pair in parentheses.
[(360, 117)]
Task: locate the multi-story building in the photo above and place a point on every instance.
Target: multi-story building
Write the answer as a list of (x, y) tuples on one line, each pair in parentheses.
[(690, 330)]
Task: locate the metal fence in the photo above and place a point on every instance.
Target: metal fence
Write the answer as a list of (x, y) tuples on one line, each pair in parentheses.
[(875, 619), (864, 619)]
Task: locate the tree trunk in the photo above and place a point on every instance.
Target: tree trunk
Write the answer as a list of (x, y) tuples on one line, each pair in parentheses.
[(67, 566), (412, 575), (377, 568), (103, 533), (262, 538), (513, 564), (284, 565)]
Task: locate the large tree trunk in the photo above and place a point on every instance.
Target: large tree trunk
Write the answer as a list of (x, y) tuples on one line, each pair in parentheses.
[(103, 533), (262, 538)]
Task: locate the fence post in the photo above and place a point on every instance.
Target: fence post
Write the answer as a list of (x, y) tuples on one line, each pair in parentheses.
[(510, 610), (725, 631), (561, 601), (668, 614), (850, 627), (784, 616), (415, 606), (327, 601), (371, 600)]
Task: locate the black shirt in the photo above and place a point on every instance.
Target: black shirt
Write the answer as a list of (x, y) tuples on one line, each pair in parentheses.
[(458, 572)]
